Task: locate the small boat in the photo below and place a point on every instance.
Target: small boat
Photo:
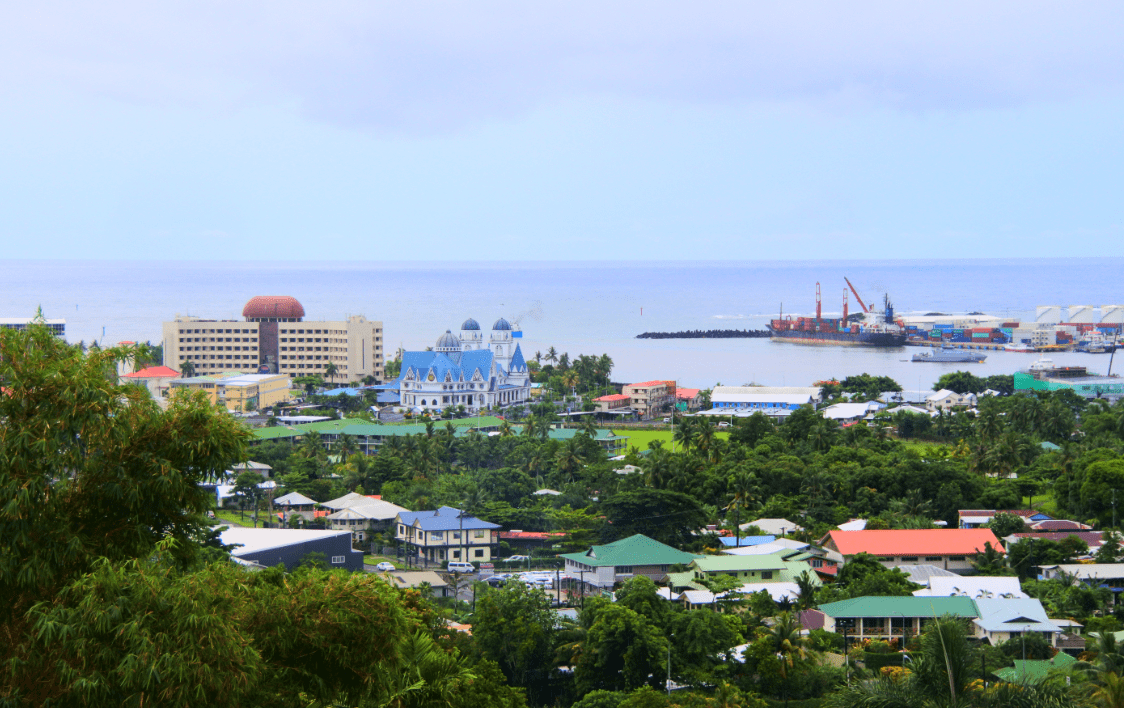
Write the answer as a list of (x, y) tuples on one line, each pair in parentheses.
[(1020, 347)]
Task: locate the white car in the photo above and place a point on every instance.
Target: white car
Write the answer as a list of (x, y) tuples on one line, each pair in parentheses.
[(384, 567), (517, 559)]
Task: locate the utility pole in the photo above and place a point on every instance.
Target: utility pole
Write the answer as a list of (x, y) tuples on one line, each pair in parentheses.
[(1113, 508)]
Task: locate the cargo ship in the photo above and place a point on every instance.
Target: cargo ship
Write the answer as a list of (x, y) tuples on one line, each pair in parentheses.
[(871, 329)]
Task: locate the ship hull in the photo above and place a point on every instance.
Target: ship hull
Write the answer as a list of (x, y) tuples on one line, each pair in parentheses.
[(846, 339)]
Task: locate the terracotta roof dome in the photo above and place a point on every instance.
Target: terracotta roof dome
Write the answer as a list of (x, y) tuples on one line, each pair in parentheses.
[(269, 306)]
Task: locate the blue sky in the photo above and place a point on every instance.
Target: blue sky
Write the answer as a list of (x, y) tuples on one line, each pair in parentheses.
[(544, 131)]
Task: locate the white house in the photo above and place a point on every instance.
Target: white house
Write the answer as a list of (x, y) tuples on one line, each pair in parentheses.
[(947, 400), (852, 412)]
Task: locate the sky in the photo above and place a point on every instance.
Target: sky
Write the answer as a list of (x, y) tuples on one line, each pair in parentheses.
[(497, 131)]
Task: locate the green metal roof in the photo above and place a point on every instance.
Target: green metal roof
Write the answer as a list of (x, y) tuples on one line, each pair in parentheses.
[(1034, 671), (718, 564), (878, 606), (634, 550)]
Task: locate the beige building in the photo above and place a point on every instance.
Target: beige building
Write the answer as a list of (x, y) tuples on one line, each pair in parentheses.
[(275, 338), (245, 392), (651, 398)]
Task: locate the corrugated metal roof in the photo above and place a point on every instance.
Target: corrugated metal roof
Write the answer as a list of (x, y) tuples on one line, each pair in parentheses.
[(914, 542), (902, 606), (634, 550)]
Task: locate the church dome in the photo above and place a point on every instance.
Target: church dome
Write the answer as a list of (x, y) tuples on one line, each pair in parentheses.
[(502, 325), (265, 307), (470, 324), (448, 342)]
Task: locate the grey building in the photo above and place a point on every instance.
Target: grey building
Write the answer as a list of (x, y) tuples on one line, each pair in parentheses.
[(288, 547)]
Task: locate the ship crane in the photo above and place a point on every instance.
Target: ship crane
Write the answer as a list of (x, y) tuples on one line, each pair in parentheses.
[(862, 306)]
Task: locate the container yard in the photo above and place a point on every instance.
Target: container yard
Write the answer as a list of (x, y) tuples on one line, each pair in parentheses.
[(1077, 328)]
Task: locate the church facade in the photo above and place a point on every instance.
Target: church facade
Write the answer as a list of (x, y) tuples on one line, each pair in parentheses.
[(465, 369)]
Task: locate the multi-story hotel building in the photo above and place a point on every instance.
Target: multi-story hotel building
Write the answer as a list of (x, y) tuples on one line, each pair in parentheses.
[(275, 338)]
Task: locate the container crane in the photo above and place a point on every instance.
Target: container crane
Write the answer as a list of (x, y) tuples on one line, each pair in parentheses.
[(862, 306)]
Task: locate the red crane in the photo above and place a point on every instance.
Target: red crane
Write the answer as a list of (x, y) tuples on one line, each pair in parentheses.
[(863, 307)]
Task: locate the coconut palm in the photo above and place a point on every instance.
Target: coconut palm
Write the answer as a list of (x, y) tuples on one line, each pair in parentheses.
[(187, 369), (551, 355), (331, 370), (787, 643)]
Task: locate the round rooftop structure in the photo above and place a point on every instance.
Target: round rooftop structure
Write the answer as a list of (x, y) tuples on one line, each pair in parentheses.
[(273, 308), (448, 342), (470, 325), (502, 325)]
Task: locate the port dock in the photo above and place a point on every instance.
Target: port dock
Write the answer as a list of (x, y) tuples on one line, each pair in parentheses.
[(990, 346)]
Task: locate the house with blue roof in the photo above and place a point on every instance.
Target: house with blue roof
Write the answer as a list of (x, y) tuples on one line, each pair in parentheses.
[(464, 370), (446, 534)]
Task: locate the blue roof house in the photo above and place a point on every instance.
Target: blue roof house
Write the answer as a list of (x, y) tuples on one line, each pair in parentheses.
[(446, 534)]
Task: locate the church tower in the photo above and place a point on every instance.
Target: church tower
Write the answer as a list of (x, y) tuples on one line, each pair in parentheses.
[(502, 344), (471, 336)]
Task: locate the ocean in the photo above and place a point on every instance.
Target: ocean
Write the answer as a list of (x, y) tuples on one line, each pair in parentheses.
[(582, 307)]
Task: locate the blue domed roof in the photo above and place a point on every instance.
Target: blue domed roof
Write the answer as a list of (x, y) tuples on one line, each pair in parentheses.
[(501, 324), (470, 324), (448, 341)]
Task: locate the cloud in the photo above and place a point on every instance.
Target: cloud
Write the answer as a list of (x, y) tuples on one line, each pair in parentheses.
[(439, 66)]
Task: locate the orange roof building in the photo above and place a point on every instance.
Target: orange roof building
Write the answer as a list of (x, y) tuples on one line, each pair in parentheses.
[(950, 549)]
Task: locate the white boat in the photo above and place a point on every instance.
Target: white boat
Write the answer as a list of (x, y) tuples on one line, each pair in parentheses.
[(1020, 347)]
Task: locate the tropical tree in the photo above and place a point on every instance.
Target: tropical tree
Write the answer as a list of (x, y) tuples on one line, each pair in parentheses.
[(330, 370), (187, 369), (551, 355), (786, 642)]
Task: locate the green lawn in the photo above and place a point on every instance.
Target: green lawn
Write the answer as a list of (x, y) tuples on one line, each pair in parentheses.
[(640, 438), (232, 517), (369, 559)]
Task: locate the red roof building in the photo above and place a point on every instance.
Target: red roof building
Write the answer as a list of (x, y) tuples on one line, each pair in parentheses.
[(613, 402), (154, 372), (945, 548)]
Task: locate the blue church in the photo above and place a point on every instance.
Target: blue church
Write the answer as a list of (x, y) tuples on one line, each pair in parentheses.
[(464, 370)]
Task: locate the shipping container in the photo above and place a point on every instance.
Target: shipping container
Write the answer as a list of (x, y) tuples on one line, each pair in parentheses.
[(979, 335)]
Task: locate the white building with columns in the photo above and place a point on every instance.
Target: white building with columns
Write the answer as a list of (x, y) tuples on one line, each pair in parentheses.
[(465, 369)]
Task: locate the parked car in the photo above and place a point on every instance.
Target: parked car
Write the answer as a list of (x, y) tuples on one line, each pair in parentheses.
[(517, 559), (384, 567), (455, 567)]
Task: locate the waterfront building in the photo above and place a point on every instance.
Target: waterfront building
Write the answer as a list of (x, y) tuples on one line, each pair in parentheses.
[(57, 327), (764, 397), (274, 337), (464, 370), (1043, 376)]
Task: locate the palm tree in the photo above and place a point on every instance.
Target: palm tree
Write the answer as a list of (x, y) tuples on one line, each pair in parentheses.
[(537, 357), (806, 583), (787, 643), (551, 355), (187, 369), (743, 492), (331, 370), (686, 433), (564, 361)]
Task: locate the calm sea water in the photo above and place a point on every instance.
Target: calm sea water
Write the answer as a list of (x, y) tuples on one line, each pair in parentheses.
[(581, 308)]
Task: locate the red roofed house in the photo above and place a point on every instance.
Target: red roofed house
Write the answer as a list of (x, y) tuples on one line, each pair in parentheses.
[(688, 397), (650, 398), (945, 548), (531, 539), (613, 402), (156, 379)]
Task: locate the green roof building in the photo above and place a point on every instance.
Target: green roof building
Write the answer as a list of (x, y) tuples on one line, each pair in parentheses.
[(619, 561), (764, 568), (1036, 671)]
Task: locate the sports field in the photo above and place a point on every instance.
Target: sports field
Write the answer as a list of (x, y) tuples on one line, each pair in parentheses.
[(640, 438)]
